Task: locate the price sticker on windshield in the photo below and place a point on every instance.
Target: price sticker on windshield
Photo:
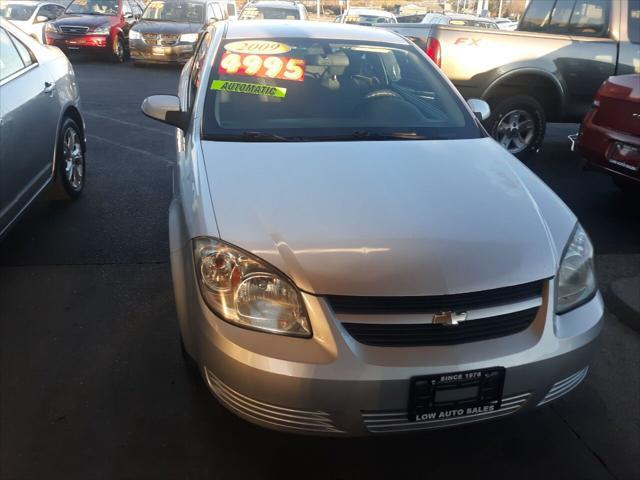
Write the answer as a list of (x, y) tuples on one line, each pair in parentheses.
[(265, 66)]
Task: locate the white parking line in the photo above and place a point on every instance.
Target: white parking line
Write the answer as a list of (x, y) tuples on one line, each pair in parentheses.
[(130, 124), (165, 160)]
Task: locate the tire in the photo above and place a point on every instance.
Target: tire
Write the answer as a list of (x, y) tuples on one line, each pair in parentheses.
[(118, 53), (518, 123), (70, 171)]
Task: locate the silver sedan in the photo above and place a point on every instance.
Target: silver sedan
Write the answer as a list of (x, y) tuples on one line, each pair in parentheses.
[(351, 252), (42, 139)]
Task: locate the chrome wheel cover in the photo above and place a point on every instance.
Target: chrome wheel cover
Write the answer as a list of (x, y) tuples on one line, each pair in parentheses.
[(515, 131), (73, 158)]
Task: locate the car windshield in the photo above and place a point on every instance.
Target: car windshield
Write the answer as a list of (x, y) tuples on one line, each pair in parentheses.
[(314, 90), (359, 19), (175, 12), (269, 13), (93, 7), (16, 11)]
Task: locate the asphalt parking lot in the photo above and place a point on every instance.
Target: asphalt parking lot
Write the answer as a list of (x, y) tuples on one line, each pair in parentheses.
[(93, 385)]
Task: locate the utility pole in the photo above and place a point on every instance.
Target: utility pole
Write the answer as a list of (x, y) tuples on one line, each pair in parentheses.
[(318, 7), (500, 9)]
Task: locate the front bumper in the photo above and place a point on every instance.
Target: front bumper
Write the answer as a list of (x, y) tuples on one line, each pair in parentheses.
[(140, 51), (80, 43), (333, 385)]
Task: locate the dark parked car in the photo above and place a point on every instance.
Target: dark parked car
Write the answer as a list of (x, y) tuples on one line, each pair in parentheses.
[(609, 137), (95, 26), (170, 28)]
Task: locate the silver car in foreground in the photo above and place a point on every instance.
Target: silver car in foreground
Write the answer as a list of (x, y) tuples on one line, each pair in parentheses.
[(351, 252), (41, 129)]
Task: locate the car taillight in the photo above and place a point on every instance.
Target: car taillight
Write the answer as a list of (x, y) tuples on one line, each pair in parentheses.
[(433, 50)]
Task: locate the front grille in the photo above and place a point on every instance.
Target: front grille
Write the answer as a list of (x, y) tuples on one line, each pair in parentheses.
[(74, 30), (430, 304), (397, 421), (429, 334), (160, 39)]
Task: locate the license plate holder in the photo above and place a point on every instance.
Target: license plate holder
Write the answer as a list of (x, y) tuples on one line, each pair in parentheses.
[(624, 156), (455, 395), (157, 50)]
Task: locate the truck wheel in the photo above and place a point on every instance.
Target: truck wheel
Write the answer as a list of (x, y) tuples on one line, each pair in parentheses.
[(518, 124)]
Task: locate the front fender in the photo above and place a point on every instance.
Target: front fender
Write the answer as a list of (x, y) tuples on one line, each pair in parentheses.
[(556, 80)]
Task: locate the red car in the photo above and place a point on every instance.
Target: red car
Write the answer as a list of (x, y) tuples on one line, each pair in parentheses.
[(609, 137), (95, 26)]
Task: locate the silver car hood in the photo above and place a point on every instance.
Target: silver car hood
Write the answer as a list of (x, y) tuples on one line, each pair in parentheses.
[(386, 218)]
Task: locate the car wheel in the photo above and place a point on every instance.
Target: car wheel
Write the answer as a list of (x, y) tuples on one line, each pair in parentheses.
[(70, 162), (518, 124), (118, 50)]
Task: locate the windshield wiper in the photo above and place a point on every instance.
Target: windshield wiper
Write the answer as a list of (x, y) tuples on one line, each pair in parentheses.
[(250, 137), (365, 135)]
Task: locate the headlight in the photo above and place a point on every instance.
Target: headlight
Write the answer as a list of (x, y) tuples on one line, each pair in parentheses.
[(134, 35), (101, 30), (51, 28), (576, 281), (244, 290), (189, 37)]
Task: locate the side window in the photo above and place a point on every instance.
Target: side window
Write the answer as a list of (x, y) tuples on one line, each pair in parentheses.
[(196, 68), (126, 8), (10, 60), (536, 17), (590, 18), (135, 8), (50, 11), (633, 23), (560, 16), (25, 54)]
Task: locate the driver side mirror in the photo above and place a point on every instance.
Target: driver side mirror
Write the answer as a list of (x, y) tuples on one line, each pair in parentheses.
[(165, 109), (42, 19), (480, 108)]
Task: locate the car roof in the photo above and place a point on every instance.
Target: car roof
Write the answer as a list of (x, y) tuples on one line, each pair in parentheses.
[(369, 11), (274, 3), (28, 2), (268, 29)]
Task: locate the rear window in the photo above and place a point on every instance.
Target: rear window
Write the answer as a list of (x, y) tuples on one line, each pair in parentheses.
[(312, 89), (590, 18), (357, 19), (269, 13), (16, 11), (536, 18)]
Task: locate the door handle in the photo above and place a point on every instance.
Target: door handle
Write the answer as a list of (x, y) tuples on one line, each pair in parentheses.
[(49, 87)]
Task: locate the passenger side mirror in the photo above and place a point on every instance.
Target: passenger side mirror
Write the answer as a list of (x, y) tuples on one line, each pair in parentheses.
[(165, 109), (480, 108), (42, 19)]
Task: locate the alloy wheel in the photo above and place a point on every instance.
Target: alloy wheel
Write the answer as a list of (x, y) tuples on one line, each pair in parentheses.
[(515, 131), (73, 159)]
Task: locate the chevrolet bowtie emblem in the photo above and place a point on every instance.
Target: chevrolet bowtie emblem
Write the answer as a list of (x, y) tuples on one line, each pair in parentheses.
[(448, 318)]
